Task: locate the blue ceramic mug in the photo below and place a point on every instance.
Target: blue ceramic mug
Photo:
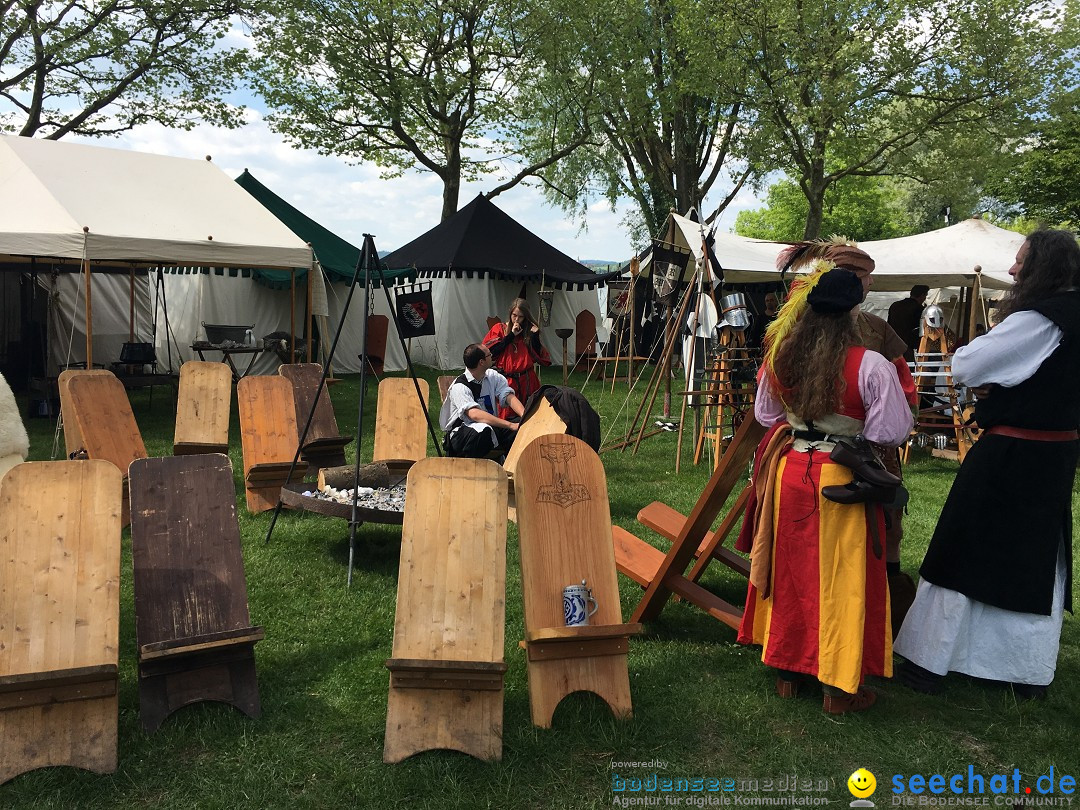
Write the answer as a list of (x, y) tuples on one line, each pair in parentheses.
[(576, 600)]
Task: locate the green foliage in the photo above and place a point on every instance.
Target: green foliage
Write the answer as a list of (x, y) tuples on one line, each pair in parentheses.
[(1045, 185), (703, 704), (102, 68)]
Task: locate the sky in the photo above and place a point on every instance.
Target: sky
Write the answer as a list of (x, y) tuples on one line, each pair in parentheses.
[(351, 199)]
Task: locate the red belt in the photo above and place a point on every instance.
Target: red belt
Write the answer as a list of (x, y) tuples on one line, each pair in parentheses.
[(1034, 435)]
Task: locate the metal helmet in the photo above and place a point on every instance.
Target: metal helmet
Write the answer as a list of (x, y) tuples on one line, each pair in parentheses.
[(934, 317)]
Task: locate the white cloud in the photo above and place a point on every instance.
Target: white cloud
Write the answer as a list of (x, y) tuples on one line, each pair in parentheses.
[(351, 199)]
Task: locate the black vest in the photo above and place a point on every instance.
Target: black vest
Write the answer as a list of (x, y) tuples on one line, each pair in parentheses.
[(1050, 398)]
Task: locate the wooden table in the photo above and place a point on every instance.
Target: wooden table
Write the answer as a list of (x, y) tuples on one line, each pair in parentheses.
[(227, 352)]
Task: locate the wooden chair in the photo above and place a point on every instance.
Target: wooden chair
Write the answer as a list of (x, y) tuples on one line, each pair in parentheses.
[(564, 524), (663, 574), (541, 421), (192, 625), (400, 421), (323, 445), (59, 616), (444, 382), (73, 443), (268, 437), (584, 336), (375, 342), (106, 424), (492, 320), (202, 408), (446, 676)]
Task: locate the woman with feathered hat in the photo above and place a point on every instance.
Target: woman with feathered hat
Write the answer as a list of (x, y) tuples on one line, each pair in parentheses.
[(818, 599)]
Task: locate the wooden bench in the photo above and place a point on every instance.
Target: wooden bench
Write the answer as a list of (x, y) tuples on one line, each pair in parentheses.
[(663, 575), (59, 616), (323, 446), (564, 523), (268, 438), (400, 421), (194, 633), (446, 674), (203, 401)]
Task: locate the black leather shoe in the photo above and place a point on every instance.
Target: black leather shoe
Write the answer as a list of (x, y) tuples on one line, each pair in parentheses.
[(859, 492), (865, 466), (921, 680)]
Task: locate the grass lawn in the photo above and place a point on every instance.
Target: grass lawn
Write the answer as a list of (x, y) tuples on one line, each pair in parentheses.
[(704, 706)]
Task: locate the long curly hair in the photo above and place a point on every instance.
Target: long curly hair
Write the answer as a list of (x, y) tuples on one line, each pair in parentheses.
[(809, 365), (523, 305), (1052, 264)]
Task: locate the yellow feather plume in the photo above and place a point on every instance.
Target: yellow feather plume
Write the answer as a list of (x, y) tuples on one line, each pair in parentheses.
[(793, 308)]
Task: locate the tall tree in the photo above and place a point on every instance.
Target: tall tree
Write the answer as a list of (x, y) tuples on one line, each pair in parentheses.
[(404, 83), (104, 67), (858, 88), (667, 125), (1045, 185)]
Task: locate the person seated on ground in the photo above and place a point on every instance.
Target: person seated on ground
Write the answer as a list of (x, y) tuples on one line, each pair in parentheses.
[(14, 443), (468, 412), (516, 347), (995, 583)]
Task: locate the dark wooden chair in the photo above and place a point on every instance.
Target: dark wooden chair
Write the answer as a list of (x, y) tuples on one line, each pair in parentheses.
[(323, 445), (195, 638), (375, 342), (584, 336), (59, 616), (564, 525), (446, 676)]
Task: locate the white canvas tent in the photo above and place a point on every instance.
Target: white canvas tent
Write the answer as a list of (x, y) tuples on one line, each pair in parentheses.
[(942, 258), (70, 205)]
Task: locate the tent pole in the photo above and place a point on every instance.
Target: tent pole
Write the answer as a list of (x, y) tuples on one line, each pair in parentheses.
[(292, 315), (89, 317), (131, 305), (308, 317), (976, 297)]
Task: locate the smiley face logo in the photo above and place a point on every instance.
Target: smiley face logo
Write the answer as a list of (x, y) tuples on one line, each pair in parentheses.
[(861, 783)]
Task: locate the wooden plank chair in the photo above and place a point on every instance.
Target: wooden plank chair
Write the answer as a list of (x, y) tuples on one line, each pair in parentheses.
[(400, 421), (663, 574), (203, 401), (584, 336), (324, 446), (375, 342), (106, 424), (444, 382), (446, 674), (268, 438), (59, 616), (73, 443), (194, 633), (542, 420), (564, 527)]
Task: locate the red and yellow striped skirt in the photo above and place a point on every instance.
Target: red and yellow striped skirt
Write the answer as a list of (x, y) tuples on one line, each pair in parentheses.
[(827, 612)]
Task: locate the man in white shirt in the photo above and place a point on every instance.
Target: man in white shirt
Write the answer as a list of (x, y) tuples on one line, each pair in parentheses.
[(469, 410)]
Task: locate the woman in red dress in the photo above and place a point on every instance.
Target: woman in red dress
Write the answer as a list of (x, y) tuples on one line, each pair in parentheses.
[(515, 347)]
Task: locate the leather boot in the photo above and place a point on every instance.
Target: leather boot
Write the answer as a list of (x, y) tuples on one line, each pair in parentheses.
[(864, 464)]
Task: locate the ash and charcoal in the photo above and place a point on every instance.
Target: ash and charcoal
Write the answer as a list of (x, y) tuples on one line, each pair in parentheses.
[(384, 499)]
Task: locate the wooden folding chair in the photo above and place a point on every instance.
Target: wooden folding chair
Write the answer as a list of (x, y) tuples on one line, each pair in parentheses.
[(106, 424), (584, 336), (564, 524), (400, 421), (194, 633), (444, 382), (203, 401), (268, 438), (323, 445), (73, 443), (59, 616), (375, 342), (542, 420), (663, 574), (446, 676)]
